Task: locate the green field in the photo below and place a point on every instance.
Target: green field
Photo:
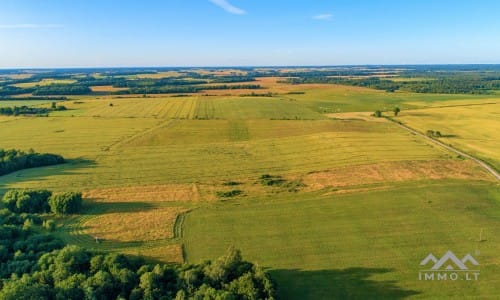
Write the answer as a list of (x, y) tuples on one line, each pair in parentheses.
[(361, 245), (362, 202)]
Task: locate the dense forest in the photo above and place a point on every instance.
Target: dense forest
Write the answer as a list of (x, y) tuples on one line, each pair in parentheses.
[(13, 160), (36, 265)]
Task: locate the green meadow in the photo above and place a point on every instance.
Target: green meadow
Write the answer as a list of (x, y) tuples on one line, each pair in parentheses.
[(362, 245)]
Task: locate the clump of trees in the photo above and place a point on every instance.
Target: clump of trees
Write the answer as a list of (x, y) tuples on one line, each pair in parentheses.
[(42, 201), (27, 201), (65, 203), (13, 160)]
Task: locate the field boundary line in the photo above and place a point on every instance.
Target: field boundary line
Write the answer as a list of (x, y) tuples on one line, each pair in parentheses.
[(481, 163)]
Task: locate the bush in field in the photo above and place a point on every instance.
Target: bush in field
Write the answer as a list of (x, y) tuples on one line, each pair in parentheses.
[(27, 201), (378, 114), (66, 203), (396, 111), (227, 194)]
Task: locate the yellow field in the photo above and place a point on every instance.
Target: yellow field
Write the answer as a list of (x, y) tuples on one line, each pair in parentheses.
[(472, 128)]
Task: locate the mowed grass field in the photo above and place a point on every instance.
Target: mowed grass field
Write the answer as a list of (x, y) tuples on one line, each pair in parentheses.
[(472, 128), (368, 192), (362, 245)]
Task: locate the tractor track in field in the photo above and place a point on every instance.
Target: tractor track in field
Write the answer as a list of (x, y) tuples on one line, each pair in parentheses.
[(481, 163)]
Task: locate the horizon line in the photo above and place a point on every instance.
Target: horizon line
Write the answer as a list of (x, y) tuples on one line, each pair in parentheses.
[(248, 66)]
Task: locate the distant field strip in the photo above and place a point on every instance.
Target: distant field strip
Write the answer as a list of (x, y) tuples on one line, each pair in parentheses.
[(168, 107)]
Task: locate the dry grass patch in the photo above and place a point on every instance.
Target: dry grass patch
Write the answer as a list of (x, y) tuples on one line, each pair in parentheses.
[(149, 225), (395, 171), (152, 193)]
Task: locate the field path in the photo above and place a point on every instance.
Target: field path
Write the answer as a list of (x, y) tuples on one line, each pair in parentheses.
[(478, 161)]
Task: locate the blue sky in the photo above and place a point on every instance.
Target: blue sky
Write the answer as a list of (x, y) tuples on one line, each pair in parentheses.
[(90, 33)]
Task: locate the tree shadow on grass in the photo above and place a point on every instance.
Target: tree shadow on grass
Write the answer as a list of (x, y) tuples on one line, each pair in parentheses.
[(94, 207), (351, 283), (40, 173)]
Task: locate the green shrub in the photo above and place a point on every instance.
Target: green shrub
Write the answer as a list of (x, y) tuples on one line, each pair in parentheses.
[(50, 225), (271, 180), (228, 194), (66, 203)]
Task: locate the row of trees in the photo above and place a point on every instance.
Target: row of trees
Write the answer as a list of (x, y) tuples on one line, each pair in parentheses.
[(13, 160)]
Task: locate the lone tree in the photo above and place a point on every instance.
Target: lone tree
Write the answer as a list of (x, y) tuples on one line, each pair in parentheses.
[(378, 114), (396, 111)]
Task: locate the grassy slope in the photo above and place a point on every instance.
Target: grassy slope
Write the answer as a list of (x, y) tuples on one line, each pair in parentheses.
[(356, 245)]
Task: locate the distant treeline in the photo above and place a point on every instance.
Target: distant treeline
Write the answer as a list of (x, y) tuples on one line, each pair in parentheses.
[(23, 110), (34, 98), (444, 85), (61, 89), (46, 90), (14, 160), (29, 110)]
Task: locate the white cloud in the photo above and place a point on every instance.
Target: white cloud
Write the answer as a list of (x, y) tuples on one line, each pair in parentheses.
[(228, 7), (323, 17), (29, 26)]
